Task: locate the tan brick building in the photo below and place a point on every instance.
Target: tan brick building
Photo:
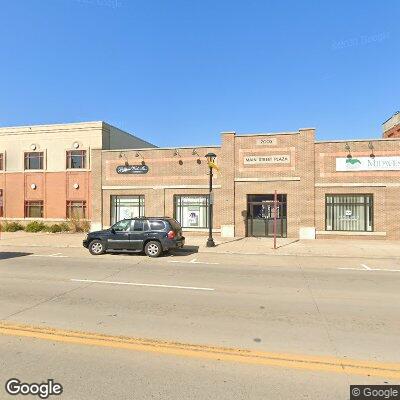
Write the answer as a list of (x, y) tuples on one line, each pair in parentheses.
[(45, 170), (325, 189)]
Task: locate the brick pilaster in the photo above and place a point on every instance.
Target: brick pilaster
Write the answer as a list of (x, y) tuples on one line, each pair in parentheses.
[(227, 163)]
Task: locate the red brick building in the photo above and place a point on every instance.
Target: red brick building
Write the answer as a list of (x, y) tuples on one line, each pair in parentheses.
[(391, 127), (45, 170)]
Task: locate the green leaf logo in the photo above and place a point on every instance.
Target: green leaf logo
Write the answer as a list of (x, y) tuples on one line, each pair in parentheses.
[(353, 161)]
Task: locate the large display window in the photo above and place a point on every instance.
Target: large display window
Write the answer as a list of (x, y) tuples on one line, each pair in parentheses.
[(191, 211), (349, 212), (123, 207)]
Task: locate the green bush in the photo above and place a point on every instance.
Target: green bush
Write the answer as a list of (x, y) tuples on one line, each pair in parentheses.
[(12, 227), (64, 227), (55, 228), (35, 226)]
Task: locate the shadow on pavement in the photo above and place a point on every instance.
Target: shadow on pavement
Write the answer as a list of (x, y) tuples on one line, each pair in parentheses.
[(184, 251), (288, 244), (5, 255), (176, 253), (229, 241)]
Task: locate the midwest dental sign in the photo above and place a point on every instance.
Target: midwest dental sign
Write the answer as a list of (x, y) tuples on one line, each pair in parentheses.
[(274, 159), (368, 164)]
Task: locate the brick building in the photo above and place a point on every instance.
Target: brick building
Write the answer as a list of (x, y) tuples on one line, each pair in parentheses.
[(391, 127), (45, 170), (325, 188)]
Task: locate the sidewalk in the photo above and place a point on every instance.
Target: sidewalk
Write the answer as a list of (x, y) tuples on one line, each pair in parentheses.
[(250, 246)]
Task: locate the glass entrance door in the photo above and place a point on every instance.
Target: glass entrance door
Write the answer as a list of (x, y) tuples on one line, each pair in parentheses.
[(260, 215)]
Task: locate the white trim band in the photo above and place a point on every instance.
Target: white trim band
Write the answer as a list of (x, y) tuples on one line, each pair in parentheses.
[(159, 187), (357, 184), (281, 178), (352, 233)]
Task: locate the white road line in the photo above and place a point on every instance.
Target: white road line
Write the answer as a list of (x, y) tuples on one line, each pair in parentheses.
[(56, 255), (366, 268), (194, 261), (143, 284)]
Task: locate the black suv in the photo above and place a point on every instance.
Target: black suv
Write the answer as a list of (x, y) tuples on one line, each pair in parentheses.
[(151, 235)]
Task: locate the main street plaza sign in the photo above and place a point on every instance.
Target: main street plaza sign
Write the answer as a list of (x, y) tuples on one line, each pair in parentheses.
[(132, 169), (368, 164), (275, 159)]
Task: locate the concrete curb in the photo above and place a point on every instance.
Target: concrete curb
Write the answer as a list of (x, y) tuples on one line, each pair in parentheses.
[(230, 252)]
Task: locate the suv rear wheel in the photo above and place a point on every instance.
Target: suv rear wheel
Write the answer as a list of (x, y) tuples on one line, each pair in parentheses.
[(96, 247), (153, 249)]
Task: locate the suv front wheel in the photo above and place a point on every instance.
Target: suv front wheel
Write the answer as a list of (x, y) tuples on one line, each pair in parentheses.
[(153, 249), (96, 247)]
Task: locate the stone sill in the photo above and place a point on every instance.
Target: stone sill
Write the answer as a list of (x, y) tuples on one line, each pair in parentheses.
[(346, 233)]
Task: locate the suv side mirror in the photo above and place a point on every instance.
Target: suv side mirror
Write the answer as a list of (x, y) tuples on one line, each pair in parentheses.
[(112, 230)]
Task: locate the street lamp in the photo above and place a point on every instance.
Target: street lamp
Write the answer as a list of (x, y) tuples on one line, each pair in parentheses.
[(210, 160)]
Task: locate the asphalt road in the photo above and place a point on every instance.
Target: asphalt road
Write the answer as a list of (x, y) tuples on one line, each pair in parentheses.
[(343, 308)]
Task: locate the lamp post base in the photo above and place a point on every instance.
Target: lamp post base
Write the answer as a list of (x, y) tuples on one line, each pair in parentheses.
[(210, 242)]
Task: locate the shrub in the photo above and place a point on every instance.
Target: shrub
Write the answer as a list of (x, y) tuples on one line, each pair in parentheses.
[(12, 227), (35, 226), (64, 227), (85, 225), (55, 228), (79, 225)]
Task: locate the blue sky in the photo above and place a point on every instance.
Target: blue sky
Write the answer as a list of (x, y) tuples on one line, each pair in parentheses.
[(180, 72)]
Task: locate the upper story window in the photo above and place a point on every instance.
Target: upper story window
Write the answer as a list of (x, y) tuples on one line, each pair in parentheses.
[(33, 160), (76, 159), (1, 161)]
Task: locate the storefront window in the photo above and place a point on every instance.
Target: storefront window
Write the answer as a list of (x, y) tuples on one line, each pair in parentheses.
[(191, 211), (123, 207), (349, 213)]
